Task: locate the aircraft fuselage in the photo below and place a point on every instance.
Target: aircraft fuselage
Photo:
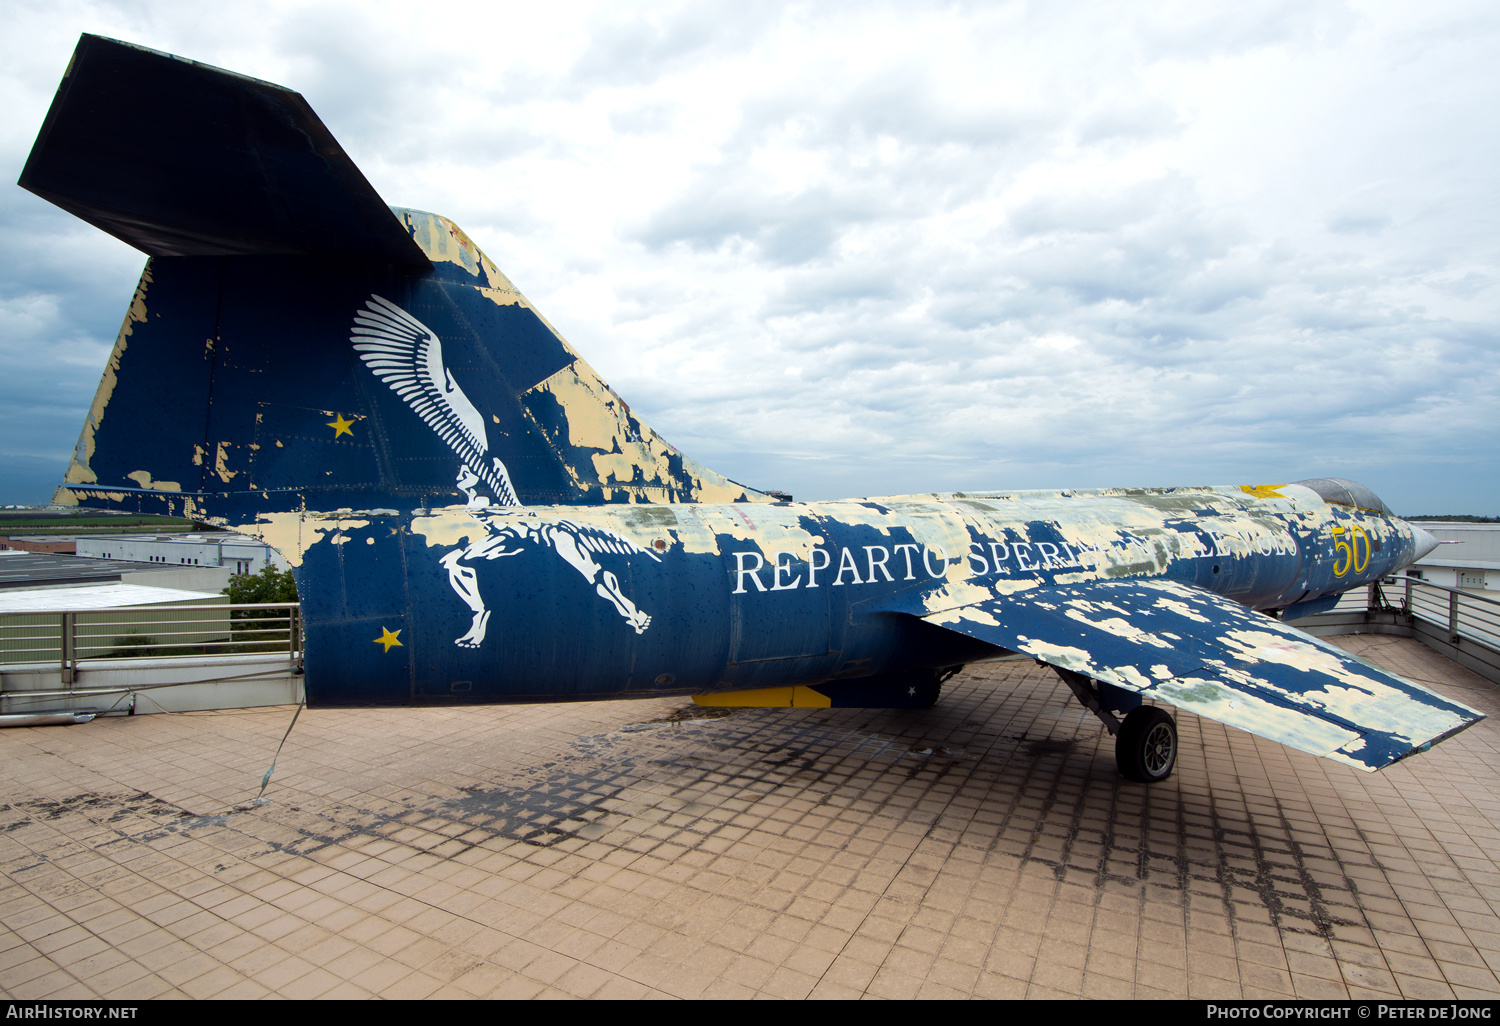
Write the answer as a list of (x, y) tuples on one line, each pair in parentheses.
[(516, 603)]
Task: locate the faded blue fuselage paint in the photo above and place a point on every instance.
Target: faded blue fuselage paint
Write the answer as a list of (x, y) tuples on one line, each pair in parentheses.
[(748, 595)]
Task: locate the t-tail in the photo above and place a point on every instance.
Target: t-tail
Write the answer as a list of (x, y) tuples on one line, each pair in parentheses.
[(297, 346)]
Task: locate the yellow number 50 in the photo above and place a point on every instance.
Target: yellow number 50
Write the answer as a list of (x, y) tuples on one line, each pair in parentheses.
[(1350, 550)]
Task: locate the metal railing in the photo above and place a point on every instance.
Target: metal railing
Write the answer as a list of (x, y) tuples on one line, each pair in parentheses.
[(1462, 625), (1466, 615), (74, 639)]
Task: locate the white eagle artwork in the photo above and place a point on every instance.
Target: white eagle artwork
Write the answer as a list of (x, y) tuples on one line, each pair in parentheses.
[(408, 356)]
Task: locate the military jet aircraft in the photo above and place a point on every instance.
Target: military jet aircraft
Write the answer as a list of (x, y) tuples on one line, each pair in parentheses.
[(473, 515)]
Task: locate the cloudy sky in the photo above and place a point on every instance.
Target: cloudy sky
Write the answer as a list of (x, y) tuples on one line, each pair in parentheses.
[(854, 249)]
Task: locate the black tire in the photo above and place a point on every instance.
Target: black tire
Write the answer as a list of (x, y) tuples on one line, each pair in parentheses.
[(1146, 746)]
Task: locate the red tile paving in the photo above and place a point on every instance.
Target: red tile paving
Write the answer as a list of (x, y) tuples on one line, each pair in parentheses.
[(984, 848)]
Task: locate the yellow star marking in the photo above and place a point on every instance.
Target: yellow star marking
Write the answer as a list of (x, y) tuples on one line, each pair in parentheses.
[(390, 639), (341, 426)]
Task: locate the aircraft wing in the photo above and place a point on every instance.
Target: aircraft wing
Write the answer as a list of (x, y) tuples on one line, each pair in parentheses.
[(1214, 657)]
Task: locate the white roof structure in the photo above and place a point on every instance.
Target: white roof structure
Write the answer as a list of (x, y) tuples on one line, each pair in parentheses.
[(95, 596)]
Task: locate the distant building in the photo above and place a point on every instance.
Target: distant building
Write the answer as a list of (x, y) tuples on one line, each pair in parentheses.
[(38, 543), (35, 587), (42, 570), (1472, 564), (241, 555)]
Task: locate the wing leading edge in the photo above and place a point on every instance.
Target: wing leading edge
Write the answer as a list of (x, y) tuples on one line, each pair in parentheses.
[(1212, 656)]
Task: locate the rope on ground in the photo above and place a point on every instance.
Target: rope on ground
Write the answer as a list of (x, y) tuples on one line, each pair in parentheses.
[(272, 768)]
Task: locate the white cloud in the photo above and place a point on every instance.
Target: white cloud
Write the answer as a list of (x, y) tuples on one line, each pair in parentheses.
[(1001, 245)]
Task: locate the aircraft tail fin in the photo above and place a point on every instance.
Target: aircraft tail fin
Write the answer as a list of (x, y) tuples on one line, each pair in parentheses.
[(295, 345)]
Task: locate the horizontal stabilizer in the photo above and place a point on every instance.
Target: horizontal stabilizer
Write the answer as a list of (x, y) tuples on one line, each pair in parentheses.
[(183, 159), (1214, 657)]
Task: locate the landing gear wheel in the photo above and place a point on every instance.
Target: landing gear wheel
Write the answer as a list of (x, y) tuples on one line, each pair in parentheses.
[(1146, 746)]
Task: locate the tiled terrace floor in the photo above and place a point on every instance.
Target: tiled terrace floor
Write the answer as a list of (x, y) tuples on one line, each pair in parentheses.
[(984, 848)]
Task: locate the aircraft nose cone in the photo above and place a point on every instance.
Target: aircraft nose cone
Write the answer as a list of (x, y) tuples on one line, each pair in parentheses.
[(1424, 542)]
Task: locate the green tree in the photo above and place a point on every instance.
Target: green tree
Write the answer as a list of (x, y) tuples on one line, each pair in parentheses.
[(270, 585)]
